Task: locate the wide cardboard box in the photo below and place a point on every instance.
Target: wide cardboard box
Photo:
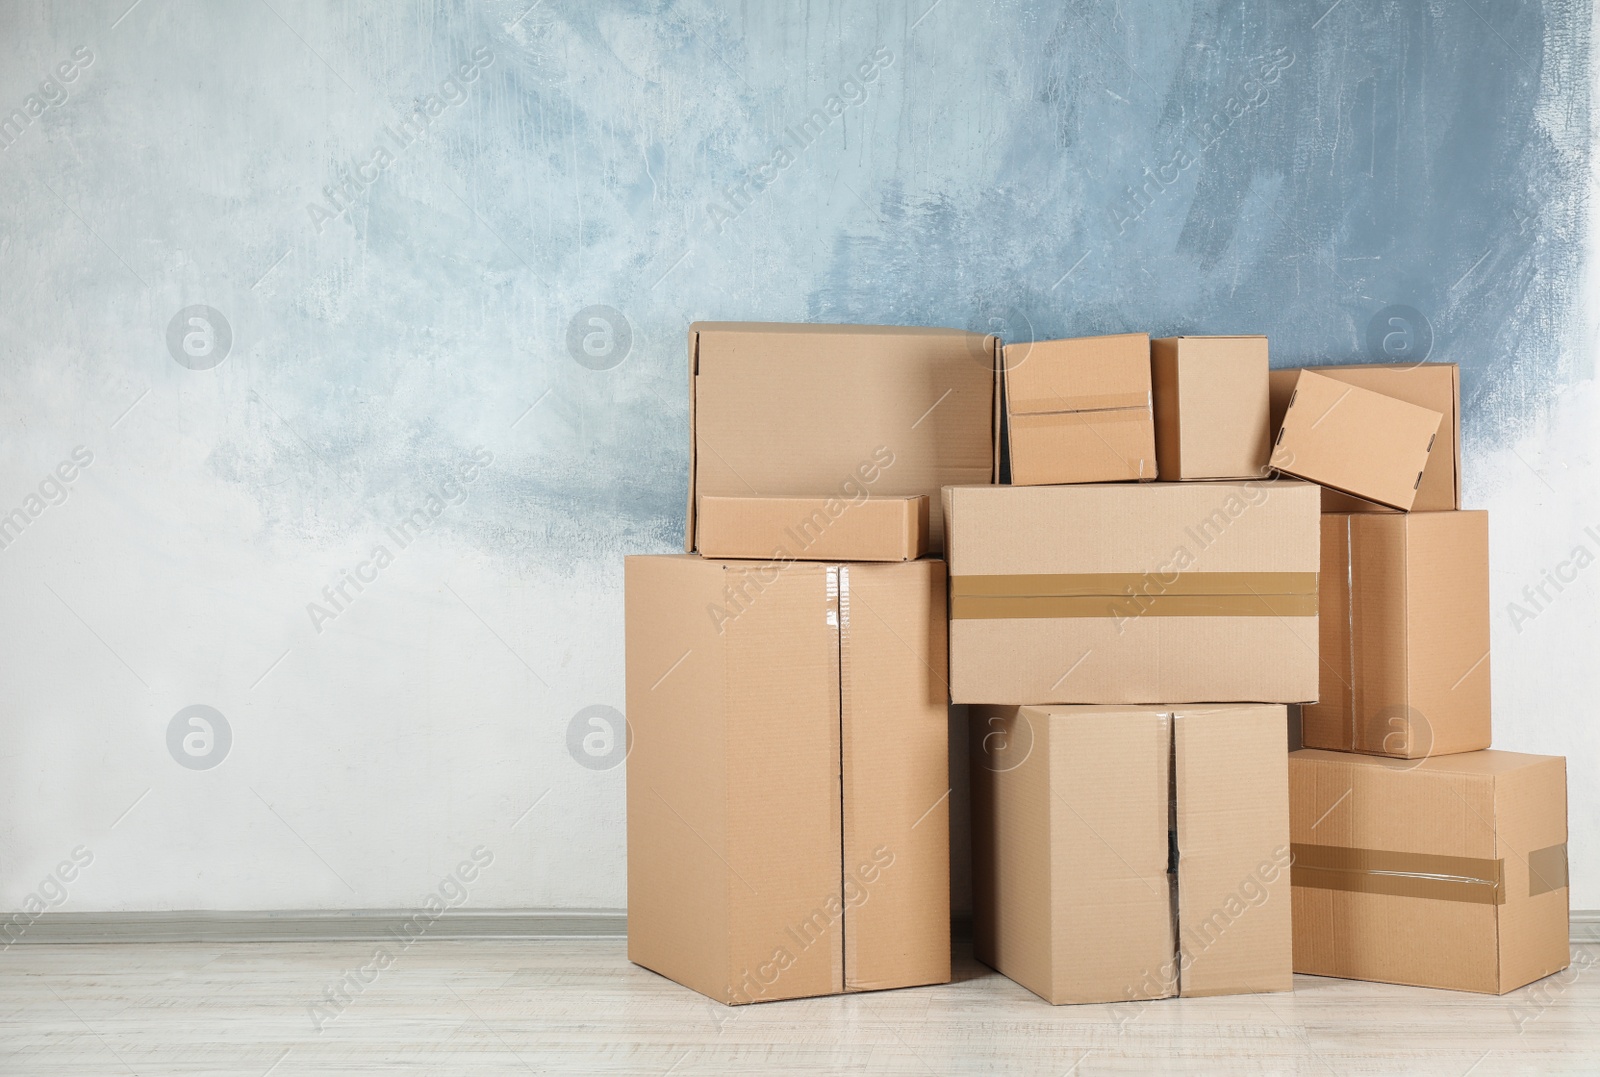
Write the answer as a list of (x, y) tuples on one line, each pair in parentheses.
[(1443, 872), (839, 411), (1120, 593), (1435, 386), (1354, 440), (814, 528), (1125, 853), (1210, 396), (1079, 410), (788, 827), (1405, 635)]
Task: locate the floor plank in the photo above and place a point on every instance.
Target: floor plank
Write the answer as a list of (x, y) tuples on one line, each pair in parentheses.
[(468, 1008)]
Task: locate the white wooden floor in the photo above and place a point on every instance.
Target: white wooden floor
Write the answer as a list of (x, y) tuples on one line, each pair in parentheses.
[(465, 1008)]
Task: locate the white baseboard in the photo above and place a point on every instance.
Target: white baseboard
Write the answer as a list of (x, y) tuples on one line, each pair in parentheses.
[(314, 926), (359, 924)]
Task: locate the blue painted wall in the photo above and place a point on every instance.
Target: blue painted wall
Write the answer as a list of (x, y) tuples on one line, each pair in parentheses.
[(401, 211)]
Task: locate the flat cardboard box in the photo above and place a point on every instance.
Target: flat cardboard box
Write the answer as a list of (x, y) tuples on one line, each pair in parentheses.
[(1444, 872), (1115, 593), (1125, 853), (1404, 600), (1355, 440), (1079, 410), (838, 411), (788, 827), (862, 528), (1435, 386), (1211, 413)]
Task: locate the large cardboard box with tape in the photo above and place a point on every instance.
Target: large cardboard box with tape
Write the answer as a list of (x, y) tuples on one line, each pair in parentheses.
[(1443, 872), (1167, 592), (839, 412), (1405, 634), (788, 821), (1124, 853)]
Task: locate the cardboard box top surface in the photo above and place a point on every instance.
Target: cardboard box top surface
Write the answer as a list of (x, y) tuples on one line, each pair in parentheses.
[(1107, 527), (1082, 374), (1355, 440), (1486, 764), (782, 329)]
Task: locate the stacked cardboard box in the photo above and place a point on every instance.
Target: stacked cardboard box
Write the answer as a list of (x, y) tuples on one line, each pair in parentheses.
[(1129, 557)]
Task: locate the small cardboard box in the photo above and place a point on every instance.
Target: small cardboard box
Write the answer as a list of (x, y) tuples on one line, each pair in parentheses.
[(1210, 396), (1119, 593), (814, 528), (1079, 410), (1404, 604), (1435, 386), (1355, 440), (788, 827), (839, 411), (1444, 872), (1124, 853)]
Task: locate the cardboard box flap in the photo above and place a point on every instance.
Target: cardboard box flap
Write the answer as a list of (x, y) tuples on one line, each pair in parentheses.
[(1087, 374), (1355, 440)]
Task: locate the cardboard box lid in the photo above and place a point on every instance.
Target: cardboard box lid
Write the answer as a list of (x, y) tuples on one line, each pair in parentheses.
[(1084, 374), (1210, 396), (802, 410), (1355, 440), (1435, 386), (814, 528)]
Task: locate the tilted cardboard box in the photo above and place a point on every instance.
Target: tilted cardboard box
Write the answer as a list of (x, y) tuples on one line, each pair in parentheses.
[(1079, 410), (1210, 396), (1443, 872), (836, 411), (1116, 593), (1435, 386), (1097, 830), (859, 528), (788, 827), (1405, 635), (1354, 440)]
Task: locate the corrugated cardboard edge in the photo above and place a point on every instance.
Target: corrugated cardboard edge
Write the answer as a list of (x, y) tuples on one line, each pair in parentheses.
[(997, 360), (1455, 385), (694, 369)]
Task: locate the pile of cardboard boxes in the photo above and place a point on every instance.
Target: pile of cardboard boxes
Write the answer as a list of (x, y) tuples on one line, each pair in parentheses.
[(1127, 558)]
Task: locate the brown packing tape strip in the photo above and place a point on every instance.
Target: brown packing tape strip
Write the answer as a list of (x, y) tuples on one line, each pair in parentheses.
[(1007, 607), (1039, 419), (1547, 869), (1134, 594), (1475, 880), (1056, 405)]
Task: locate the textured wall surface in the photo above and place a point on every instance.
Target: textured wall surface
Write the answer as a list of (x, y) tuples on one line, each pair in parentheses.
[(277, 278)]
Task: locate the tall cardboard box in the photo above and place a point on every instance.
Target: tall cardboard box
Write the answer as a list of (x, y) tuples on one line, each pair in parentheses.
[(1354, 440), (1124, 853), (788, 832), (1435, 386), (838, 411), (1405, 635), (1211, 407), (1079, 410), (1445, 872), (1174, 592)]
